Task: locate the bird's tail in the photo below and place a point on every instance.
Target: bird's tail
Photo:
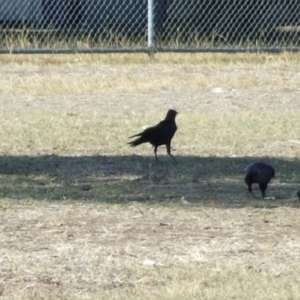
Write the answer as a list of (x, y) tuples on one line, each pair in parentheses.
[(134, 135), (136, 142)]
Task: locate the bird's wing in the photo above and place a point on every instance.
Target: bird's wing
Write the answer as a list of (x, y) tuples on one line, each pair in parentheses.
[(155, 130), (162, 129)]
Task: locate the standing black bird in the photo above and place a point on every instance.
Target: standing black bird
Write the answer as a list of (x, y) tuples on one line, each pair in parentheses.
[(298, 194), (260, 173), (158, 135)]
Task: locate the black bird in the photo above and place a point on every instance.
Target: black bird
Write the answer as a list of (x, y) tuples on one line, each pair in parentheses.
[(298, 194), (160, 134), (260, 173)]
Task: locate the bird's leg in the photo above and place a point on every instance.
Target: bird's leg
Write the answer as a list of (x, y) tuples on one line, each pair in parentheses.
[(168, 145), (263, 188), (155, 150), (250, 191)]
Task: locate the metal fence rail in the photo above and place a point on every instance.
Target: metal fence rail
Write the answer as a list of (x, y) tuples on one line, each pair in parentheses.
[(63, 26)]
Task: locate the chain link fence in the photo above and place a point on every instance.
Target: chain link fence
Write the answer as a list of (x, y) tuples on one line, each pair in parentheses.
[(148, 25)]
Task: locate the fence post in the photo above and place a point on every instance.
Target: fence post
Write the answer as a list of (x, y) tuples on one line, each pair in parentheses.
[(150, 27)]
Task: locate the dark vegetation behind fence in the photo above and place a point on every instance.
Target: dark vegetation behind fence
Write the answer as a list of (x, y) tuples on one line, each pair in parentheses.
[(177, 23)]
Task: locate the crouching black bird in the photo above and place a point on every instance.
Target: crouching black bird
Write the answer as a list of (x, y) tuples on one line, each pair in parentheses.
[(160, 134), (260, 173)]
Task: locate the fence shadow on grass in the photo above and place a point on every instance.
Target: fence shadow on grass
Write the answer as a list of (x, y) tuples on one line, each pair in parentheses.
[(204, 180)]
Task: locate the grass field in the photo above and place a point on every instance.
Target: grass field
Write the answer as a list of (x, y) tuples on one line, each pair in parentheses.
[(85, 216)]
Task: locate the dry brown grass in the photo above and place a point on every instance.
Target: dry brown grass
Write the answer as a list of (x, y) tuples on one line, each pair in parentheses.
[(84, 216), (139, 251)]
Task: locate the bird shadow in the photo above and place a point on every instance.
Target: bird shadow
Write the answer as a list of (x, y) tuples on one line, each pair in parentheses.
[(217, 181)]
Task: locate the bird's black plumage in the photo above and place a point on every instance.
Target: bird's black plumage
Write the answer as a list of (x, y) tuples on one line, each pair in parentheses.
[(261, 173), (298, 194), (158, 135)]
